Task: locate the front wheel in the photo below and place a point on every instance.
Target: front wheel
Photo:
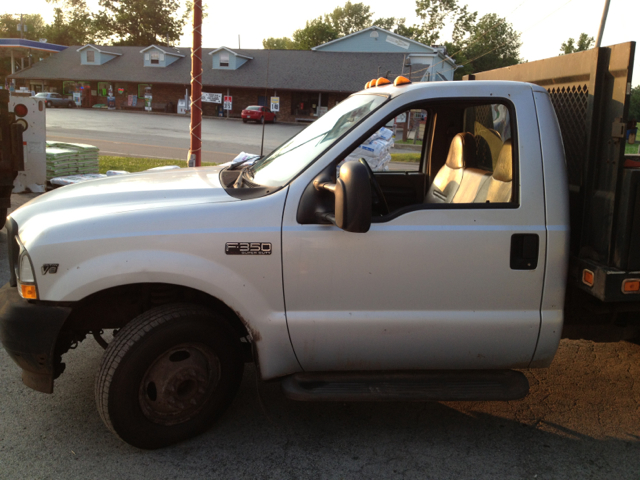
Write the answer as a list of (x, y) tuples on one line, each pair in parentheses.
[(168, 375), (262, 119)]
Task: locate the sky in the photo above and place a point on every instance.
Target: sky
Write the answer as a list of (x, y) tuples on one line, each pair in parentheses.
[(544, 24)]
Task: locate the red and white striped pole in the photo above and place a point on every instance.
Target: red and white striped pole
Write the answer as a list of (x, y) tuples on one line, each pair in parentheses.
[(195, 145)]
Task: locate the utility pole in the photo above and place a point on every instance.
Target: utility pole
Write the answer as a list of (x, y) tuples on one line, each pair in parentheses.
[(195, 144), (602, 22)]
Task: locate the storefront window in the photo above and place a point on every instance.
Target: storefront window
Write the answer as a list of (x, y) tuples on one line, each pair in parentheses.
[(141, 88), (307, 103)]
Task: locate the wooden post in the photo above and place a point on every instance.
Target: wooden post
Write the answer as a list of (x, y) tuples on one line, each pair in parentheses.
[(195, 144)]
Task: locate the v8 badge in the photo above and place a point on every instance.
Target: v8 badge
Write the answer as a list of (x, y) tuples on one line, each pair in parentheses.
[(49, 268), (248, 248)]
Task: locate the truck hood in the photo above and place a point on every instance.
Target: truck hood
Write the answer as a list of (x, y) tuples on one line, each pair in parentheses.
[(112, 195)]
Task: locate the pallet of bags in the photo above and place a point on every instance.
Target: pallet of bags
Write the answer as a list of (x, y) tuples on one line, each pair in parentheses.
[(60, 161), (376, 151)]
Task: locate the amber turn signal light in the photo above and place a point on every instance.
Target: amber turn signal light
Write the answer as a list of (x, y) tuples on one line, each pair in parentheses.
[(401, 81), (631, 285), (587, 277), (29, 291)]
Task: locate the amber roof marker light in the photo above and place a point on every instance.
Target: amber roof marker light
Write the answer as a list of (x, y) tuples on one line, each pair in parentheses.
[(382, 81), (401, 81)]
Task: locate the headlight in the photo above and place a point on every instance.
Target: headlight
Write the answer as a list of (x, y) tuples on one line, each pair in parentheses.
[(26, 277)]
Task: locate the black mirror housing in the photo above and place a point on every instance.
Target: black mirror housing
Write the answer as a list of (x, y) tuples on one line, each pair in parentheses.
[(353, 198)]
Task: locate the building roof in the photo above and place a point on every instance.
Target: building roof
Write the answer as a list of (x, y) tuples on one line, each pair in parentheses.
[(375, 28), (165, 50), (288, 69), (97, 49), (230, 51)]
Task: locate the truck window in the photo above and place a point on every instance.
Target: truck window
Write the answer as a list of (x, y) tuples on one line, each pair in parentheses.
[(443, 155)]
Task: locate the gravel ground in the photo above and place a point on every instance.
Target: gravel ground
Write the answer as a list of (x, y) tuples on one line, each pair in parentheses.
[(580, 420)]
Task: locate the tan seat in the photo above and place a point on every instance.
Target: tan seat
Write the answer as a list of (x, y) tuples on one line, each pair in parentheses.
[(473, 181), (499, 188), (447, 182)]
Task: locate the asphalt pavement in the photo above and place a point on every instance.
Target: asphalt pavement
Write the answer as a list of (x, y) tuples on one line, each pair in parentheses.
[(140, 134), (580, 420)]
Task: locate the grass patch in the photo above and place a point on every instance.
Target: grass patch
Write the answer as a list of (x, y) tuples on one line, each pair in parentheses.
[(632, 148), (413, 157), (135, 164)]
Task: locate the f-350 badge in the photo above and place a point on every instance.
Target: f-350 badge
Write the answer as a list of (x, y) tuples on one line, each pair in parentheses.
[(248, 248)]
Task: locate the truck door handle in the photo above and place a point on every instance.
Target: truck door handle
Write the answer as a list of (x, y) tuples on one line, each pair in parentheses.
[(524, 251)]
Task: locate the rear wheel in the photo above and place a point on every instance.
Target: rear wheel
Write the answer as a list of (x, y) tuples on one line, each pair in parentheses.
[(70, 105), (168, 375), (244, 120), (49, 105)]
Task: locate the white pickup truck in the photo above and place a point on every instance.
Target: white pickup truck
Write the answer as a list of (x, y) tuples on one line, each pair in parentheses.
[(430, 282)]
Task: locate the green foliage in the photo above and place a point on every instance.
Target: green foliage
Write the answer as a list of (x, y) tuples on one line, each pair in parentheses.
[(72, 24), (435, 13), (283, 43), (140, 22), (316, 32), (349, 19), (634, 107), (584, 43), (136, 164), (9, 26), (492, 43)]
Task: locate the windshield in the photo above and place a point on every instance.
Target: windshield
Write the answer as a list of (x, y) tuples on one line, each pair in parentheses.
[(288, 160)]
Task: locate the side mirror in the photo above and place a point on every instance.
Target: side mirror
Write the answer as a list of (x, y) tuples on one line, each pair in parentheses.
[(352, 192)]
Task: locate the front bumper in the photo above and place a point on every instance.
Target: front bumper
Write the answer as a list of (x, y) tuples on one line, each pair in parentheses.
[(28, 333)]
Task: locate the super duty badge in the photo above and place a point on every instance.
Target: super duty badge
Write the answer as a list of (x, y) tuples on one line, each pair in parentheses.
[(247, 248)]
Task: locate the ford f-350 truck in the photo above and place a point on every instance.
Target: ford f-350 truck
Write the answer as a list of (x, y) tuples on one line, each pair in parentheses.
[(428, 283)]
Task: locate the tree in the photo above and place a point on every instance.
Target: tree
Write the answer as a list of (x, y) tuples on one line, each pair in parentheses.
[(492, 43), (584, 43), (9, 26), (283, 43), (435, 13), (397, 25), (140, 22), (316, 32), (349, 19), (634, 107), (72, 24)]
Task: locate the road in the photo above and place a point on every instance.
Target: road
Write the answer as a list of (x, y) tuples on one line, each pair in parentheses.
[(137, 134), (162, 136), (580, 420)]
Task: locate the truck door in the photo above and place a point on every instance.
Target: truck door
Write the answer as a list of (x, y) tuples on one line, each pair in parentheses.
[(452, 281)]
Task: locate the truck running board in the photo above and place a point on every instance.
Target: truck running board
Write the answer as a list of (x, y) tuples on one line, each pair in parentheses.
[(441, 385)]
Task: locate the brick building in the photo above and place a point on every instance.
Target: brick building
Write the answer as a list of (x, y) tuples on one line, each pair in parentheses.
[(307, 82)]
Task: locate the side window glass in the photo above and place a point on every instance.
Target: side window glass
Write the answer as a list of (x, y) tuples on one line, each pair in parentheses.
[(396, 146), (479, 163)]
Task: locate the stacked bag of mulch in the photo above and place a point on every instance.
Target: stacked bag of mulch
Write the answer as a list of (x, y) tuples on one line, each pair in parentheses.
[(71, 159), (375, 150)]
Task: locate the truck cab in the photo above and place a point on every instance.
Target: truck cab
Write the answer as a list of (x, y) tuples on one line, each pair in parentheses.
[(449, 270)]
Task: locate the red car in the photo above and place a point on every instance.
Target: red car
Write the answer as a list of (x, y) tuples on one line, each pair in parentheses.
[(258, 113)]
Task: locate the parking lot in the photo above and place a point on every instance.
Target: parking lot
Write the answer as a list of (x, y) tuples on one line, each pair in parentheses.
[(580, 420)]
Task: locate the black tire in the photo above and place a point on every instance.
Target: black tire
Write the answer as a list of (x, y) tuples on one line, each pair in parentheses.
[(70, 105), (244, 120), (3, 217), (262, 119), (147, 396), (49, 105)]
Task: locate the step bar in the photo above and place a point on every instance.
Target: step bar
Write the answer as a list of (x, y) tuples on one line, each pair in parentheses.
[(441, 385)]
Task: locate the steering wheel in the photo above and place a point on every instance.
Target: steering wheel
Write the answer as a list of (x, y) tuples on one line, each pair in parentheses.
[(379, 202)]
